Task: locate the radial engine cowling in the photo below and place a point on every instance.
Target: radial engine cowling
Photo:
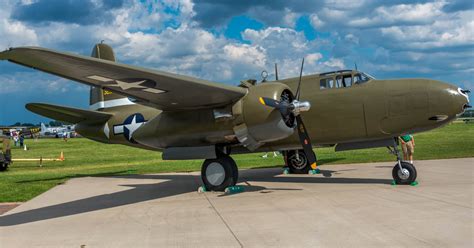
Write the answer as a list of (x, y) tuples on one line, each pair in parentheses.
[(256, 123)]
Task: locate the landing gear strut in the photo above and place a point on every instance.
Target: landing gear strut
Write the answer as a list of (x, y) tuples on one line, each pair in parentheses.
[(403, 172), (219, 173)]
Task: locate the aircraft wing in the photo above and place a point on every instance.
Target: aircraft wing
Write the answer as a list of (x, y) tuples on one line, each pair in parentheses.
[(165, 91)]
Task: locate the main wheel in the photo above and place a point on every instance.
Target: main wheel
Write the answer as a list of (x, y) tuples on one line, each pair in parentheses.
[(298, 164), (407, 176), (220, 173)]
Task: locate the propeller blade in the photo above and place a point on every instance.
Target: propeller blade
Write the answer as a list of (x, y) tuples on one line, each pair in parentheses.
[(276, 72), (299, 82), (306, 142)]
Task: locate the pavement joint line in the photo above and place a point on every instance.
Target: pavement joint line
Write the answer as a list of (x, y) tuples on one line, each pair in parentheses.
[(223, 220)]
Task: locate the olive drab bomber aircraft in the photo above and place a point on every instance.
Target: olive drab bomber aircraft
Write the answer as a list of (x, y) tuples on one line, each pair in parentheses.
[(189, 118)]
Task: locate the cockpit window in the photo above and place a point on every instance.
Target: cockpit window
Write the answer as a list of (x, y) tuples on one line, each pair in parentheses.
[(344, 80), (326, 83), (361, 78), (338, 81), (347, 81)]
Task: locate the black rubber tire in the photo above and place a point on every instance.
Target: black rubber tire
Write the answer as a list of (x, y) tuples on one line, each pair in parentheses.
[(293, 166), (235, 171), (3, 166), (230, 170), (411, 169)]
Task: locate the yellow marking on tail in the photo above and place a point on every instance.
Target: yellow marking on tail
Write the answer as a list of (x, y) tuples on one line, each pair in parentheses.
[(262, 101)]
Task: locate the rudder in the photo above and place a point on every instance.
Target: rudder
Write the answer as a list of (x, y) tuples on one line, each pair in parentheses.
[(99, 98)]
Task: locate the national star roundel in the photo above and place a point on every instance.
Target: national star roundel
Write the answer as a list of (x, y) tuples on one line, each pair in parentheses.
[(129, 126)]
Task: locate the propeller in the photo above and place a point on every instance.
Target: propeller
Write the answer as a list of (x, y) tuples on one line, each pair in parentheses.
[(295, 107)]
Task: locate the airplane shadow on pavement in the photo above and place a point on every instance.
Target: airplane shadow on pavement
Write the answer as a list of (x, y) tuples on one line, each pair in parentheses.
[(174, 185)]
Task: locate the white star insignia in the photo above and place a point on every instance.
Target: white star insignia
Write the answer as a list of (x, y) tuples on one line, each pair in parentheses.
[(132, 127), (125, 85)]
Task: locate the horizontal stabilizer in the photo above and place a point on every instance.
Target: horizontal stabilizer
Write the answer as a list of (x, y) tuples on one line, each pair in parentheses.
[(67, 114)]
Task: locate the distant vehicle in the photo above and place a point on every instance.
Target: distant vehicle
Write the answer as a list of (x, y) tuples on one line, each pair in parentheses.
[(19, 130), (58, 132)]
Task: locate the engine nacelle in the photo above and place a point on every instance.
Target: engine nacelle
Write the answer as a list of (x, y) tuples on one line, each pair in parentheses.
[(257, 123)]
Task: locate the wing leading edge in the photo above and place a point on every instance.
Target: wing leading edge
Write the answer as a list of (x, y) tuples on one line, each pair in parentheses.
[(165, 91)]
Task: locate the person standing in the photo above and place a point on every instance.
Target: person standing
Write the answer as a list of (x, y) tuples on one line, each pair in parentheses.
[(15, 138), (408, 147), (22, 139)]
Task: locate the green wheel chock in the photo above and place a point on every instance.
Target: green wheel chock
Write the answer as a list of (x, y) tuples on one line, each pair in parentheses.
[(414, 183), (393, 183), (202, 189), (286, 171), (234, 189), (315, 171)]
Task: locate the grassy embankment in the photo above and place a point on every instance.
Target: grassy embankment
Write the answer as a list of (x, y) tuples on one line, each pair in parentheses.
[(25, 180)]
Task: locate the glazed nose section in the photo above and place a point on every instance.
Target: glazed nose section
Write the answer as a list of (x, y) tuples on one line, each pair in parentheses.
[(447, 101), (466, 94), (461, 100)]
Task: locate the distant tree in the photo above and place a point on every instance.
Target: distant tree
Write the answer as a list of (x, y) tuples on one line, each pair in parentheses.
[(27, 124), (16, 124)]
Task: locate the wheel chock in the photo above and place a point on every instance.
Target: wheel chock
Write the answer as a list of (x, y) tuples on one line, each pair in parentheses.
[(286, 171), (411, 184), (234, 189), (315, 171), (202, 189)]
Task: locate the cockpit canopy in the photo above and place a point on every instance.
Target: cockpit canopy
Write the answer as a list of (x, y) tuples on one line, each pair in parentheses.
[(343, 79)]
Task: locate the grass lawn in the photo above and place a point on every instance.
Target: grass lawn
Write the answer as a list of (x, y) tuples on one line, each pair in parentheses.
[(25, 180)]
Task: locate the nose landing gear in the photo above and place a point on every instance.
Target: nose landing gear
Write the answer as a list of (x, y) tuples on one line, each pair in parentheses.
[(403, 172)]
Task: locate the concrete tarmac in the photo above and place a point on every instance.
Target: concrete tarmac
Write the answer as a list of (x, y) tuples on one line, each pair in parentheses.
[(351, 205)]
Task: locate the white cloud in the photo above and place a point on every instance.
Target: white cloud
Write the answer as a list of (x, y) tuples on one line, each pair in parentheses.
[(316, 22), (26, 83), (14, 33), (403, 14)]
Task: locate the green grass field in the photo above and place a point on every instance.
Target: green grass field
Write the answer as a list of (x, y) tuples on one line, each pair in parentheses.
[(25, 180)]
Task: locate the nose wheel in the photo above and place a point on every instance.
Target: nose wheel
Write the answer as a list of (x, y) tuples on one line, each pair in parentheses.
[(219, 173), (403, 172)]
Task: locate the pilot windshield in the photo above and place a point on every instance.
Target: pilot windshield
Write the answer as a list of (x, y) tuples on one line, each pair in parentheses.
[(361, 78)]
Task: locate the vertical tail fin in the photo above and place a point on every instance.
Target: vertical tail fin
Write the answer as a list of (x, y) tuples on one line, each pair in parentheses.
[(99, 98), (43, 127)]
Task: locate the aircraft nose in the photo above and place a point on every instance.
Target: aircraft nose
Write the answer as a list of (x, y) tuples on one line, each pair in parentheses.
[(466, 94), (447, 101)]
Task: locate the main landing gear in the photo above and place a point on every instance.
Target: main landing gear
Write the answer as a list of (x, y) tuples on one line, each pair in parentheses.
[(403, 172), (219, 173)]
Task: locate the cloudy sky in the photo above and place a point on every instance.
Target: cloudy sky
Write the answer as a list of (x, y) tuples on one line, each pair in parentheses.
[(227, 41)]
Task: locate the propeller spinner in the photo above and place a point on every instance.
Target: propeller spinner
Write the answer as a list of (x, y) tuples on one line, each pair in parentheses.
[(295, 107)]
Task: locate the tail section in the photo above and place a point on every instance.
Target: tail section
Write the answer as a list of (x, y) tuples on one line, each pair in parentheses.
[(99, 98)]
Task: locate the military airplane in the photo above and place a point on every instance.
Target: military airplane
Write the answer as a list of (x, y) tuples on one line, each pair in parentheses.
[(57, 132), (189, 118)]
